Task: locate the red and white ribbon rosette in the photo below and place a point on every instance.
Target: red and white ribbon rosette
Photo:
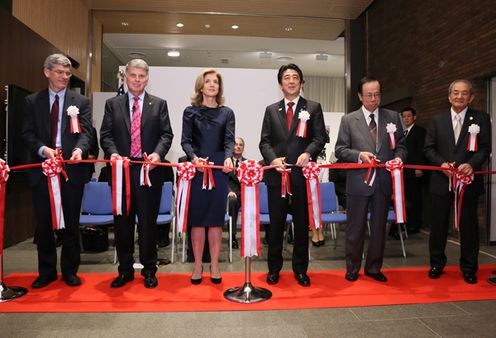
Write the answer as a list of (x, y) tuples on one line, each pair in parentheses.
[(473, 130), (304, 116), (145, 172), (120, 170), (391, 130), (249, 174), (396, 168), (4, 176), (311, 173), (462, 181), (52, 168), (285, 182), (185, 172), (73, 112), (208, 176)]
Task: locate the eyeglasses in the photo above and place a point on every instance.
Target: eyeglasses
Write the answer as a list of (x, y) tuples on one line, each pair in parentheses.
[(371, 96), (61, 72)]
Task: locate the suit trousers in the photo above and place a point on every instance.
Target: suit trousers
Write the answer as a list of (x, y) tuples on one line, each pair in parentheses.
[(469, 231), (358, 207), (278, 209), (145, 203), (413, 200), (234, 206), (70, 257)]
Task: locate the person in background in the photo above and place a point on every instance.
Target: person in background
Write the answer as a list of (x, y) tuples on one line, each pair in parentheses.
[(134, 124), (46, 130), (446, 146), (208, 136), (234, 194)]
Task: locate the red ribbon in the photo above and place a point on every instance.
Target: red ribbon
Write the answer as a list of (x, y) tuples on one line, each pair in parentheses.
[(370, 176), (120, 165), (145, 172), (462, 181), (285, 181), (185, 172), (311, 173), (250, 174), (4, 176), (52, 168), (395, 167), (208, 176)]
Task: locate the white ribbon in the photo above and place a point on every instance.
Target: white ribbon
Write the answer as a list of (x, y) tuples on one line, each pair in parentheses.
[(117, 186), (250, 219), (54, 190)]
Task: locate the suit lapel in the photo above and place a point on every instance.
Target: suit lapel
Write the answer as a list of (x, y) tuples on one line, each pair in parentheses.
[(381, 128), (145, 111), (361, 124), (446, 121), (124, 103), (281, 112), (68, 101), (469, 119), (302, 105), (45, 113)]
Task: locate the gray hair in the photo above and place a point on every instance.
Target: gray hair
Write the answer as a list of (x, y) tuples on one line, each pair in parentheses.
[(470, 86), (137, 63), (241, 139), (57, 59)]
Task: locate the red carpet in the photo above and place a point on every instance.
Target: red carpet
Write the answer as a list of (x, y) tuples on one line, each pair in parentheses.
[(175, 292)]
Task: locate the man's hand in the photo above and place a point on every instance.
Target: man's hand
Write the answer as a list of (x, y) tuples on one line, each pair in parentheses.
[(466, 169), (418, 173), (280, 162), (232, 194), (114, 156), (196, 161), (77, 155), (366, 157), (49, 152), (303, 159), (154, 158), (229, 164), (447, 165)]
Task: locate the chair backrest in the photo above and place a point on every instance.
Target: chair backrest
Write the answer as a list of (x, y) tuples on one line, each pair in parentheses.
[(166, 199), (97, 198), (263, 198), (328, 196)]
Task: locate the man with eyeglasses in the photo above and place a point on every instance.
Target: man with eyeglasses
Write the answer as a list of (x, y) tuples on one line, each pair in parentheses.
[(363, 137), (46, 130), (450, 142)]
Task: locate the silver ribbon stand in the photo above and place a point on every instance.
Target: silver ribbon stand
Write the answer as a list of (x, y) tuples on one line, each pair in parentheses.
[(9, 293), (247, 293)]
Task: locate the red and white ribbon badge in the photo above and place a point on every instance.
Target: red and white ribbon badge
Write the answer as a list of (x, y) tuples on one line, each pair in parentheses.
[(371, 172), (120, 170), (145, 172), (285, 182), (396, 168), (462, 181), (52, 168), (185, 172), (4, 176), (208, 176), (391, 130), (311, 173), (304, 116), (73, 112), (249, 174), (473, 130)]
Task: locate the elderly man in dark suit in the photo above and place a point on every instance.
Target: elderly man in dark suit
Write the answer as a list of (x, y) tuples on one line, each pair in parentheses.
[(446, 145), (280, 144), (363, 136), (134, 124), (234, 194), (46, 129)]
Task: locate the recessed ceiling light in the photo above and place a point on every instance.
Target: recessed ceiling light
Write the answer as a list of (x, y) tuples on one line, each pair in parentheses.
[(136, 55), (234, 26), (321, 56), (207, 26), (174, 53), (284, 58), (265, 54), (288, 29), (124, 23), (179, 25)]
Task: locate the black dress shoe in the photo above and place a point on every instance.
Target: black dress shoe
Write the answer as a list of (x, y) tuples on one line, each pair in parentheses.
[(235, 244), (435, 272), (377, 276), (71, 280), (150, 281), (196, 281), (316, 244), (43, 281), (302, 279), (470, 277), (121, 280), (273, 278), (213, 279), (351, 276), (322, 242)]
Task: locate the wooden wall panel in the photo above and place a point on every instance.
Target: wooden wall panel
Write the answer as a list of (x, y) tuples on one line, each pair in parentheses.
[(96, 60)]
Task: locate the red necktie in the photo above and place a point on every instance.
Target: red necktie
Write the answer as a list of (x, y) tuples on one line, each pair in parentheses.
[(55, 121), (136, 129), (289, 114)]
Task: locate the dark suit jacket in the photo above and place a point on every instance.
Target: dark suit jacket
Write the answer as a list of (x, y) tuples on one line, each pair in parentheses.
[(36, 132), (276, 141), (354, 137), (234, 184), (415, 146), (440, 147), (156, 132)]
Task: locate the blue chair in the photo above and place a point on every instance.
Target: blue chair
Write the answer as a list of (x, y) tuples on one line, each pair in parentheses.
[(330, 213)]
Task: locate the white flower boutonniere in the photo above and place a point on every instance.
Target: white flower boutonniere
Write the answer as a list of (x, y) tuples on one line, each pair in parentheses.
[(73, 112), (391, 130), (304, 116), (473, 129)]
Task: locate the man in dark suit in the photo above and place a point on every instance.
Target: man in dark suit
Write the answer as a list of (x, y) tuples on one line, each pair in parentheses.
[(280, 145), (47, 128), (363, 137), (446, 146), (413, 178), (234, 194), (134, 124)]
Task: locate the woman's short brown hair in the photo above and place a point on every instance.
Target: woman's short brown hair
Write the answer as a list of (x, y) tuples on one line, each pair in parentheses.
[(197, 98)]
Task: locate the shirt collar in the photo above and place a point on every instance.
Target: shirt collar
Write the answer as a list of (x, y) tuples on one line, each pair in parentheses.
[(60, 93), (462, 115), (295, 103), (410, 128), (367, 113)]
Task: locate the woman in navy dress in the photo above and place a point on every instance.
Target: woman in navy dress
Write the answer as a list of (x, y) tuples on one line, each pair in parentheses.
[(208, 134)]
